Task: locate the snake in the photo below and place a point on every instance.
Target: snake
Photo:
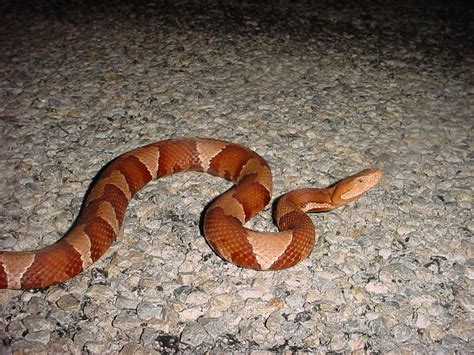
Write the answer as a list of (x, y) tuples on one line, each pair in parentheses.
[(100, 219)]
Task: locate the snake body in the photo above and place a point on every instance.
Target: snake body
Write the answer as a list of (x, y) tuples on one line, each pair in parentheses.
[(101, 217)]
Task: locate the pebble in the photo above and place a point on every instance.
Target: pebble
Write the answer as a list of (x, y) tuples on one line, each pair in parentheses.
[(221, 302), (401, 333), (148, 336), (68, 303), (94, 347), (36, 323), (319, 90), (126, 303), (377, 287), (213, 326), (124, 321), (150, 311), (42, 337), (194, 334)]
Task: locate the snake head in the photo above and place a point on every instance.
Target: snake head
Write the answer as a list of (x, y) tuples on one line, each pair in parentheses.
[(350, 188)]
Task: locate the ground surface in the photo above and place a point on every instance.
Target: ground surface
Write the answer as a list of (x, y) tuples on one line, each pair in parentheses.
[(321, 91)]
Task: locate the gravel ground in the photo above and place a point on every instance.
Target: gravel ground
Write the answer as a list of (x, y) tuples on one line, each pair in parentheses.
[(321, 91)]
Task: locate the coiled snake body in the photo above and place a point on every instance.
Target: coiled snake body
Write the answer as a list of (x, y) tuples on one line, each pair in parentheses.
[(101, 217)]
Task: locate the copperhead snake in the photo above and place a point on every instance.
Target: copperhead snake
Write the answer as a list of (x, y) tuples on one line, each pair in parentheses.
[(101, 217)]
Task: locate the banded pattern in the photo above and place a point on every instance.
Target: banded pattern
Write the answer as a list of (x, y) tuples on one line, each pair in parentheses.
[(101, 217)]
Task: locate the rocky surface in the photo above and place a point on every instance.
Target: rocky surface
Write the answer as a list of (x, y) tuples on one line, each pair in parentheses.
[(321, 90)]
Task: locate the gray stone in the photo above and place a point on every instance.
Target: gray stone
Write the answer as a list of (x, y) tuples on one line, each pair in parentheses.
[(195, 334), (150, 311), (401, 333), (126, 303), (68, 303), (42, 336), (148, 335), (36, 323)]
